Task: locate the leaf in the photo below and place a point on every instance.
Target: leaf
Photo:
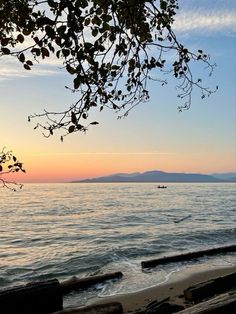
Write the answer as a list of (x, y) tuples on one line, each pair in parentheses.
[(26, 32), (79, 126), (115, 67), (96, 20), (94, 32), (27, 67), (14, 158), (0, 168), (105, 27), (106, 17), (20, 38), (36, 39), (88, 45), (29, 62), (6, 51), (50, 31), (51, 3), (61, 29), (45, 52), (70, 69), (94, 123), (87, 22), (36, 51), (44, 20), (22, 58), (77, 82), (4, 41), (159, 65), (66, 52), (163, 5), (71, 128)]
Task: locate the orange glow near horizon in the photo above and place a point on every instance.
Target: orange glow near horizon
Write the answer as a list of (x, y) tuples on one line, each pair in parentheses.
[(67, 167)]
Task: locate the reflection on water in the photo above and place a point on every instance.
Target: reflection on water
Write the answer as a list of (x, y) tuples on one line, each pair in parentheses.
[(59, 230)]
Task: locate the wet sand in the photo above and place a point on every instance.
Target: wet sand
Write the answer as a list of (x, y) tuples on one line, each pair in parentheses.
[(139, 302)]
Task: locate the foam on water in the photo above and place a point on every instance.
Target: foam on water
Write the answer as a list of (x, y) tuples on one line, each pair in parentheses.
[(61, 230)]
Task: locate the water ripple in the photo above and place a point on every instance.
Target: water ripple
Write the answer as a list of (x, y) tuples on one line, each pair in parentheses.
[(60, 230)]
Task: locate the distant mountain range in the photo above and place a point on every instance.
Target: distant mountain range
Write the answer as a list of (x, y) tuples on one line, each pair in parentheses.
[(161, 176), (231, 176)]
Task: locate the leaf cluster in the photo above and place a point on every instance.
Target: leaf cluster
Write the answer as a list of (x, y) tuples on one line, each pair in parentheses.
[(110, 48), (9, 164)]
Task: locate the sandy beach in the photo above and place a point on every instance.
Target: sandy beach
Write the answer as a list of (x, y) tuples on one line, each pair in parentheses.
[(173, 289), (196, 289)]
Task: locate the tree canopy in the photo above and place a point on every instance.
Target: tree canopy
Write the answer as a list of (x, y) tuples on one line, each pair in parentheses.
[(110, 48)]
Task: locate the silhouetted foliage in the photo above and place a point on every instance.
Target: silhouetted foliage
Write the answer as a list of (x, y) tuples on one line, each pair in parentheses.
[(110, 48), (9, 164)]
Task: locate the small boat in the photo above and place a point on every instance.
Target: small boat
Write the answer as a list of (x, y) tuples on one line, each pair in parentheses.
[(162, 187)]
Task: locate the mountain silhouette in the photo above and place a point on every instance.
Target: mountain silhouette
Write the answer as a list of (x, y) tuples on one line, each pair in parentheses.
[(156, 176)]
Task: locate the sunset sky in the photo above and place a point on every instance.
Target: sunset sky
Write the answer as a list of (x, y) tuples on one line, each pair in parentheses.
[(155, 136)]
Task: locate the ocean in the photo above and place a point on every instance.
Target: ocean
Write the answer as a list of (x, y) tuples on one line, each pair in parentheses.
[(63, 230)]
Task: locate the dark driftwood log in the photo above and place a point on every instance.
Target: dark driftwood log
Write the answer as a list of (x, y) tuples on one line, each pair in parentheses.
[(75, 283), (106, 308), (210, 288), (225, 303), (46, 296), (34, 298), (187, 256), (164, 308)]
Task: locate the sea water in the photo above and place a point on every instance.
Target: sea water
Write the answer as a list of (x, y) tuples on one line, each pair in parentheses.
[(63, 230)]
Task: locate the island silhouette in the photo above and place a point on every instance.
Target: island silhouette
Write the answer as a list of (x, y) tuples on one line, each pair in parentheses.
[(161, 176)]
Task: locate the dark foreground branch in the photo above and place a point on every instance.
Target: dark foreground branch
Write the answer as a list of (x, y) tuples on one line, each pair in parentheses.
[(111, 50), (9, 164)]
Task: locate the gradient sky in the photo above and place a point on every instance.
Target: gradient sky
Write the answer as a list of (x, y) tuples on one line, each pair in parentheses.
[(155, 136)]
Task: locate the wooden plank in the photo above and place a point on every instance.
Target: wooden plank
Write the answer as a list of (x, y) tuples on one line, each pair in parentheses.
[(106, 308), (76, 283), (225, 303), (188, 256), (210, 288), (39, 298)]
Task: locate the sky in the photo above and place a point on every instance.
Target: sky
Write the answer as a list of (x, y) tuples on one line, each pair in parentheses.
[(155, 135)]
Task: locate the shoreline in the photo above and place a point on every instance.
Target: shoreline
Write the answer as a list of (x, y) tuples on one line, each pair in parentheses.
[(172, 289)]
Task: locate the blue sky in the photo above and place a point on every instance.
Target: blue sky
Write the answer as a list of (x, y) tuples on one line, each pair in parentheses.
[(154, 135)]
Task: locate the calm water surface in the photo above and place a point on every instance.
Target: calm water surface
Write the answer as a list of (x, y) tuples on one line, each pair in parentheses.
[(60, 230)]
